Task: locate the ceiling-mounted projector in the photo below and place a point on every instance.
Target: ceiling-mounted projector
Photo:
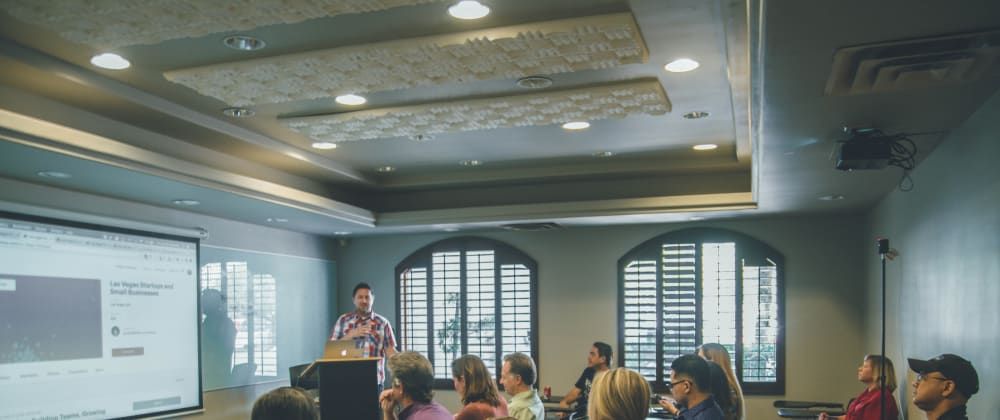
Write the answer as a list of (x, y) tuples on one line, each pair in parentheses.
[(866, 148)]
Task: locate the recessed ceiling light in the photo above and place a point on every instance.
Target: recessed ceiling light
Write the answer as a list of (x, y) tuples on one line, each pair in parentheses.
[(603, 154), (534, 82), (576, 125), (707, 146), (324, 145), (238, 112), (421, 137), (681, 65), (468, 9), (471, 162), (385, 169), (277, 220), (186, 202), (695, 115), (696, 218), (53, 174), (351, 99), (110, 61), (243, 42), (832, 197)]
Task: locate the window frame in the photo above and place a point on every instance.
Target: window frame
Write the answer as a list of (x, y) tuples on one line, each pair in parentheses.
[(503, 254), (746, 247)]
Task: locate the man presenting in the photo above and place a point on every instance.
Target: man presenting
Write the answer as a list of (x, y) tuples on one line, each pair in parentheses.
[(517, 377), (598, 360), (372, 330), (944, 385)]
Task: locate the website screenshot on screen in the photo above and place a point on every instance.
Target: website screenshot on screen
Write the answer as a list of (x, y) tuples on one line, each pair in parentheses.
[(95, 324)]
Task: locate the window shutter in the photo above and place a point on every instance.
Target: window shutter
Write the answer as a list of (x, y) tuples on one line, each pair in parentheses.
[(679, 284), (414, 334), (760, 323), (466, 296), (718, 285), (697, 286), (480, 298), (446, 295), (516, 317), (640, 320)]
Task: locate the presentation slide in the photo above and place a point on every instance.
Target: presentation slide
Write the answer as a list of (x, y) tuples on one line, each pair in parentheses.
[(96, 322)]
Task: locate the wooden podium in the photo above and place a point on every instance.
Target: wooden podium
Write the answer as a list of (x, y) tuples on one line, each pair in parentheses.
[(348, 388)]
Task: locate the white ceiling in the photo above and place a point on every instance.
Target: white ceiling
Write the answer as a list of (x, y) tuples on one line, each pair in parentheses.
[(439, 93)]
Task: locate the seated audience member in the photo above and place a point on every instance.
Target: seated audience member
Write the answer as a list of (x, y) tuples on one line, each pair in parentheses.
[(619, 394), (412, 384), (944, 385), (517, 378), (717, 353), (868, 404), (689, 380), (475, 386), (598, 362), (285, 403), (722, 394)]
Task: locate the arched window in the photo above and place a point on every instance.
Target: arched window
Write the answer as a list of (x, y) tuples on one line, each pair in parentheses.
[(694, 286), (467, 295)]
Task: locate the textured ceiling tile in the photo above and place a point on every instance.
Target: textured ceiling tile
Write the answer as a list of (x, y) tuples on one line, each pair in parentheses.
[(619, 100), (117, 23), (553, 47)]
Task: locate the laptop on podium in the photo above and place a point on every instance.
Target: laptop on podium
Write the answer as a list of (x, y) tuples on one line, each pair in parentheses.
[(342, 349), (334, 350)]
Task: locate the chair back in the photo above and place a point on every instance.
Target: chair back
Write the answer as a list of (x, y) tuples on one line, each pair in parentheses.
[(294, 373)]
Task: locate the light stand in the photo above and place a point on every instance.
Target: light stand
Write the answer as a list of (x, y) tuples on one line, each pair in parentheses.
[(883, 249)]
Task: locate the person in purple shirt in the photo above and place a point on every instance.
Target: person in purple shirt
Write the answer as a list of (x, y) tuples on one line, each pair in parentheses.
[(411, 393), (689, 384)]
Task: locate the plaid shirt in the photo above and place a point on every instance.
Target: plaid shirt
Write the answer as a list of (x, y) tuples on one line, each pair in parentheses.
[(373, 345)]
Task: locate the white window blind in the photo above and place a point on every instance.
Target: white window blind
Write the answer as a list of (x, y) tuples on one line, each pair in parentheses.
[(704, 286), (466, 296)]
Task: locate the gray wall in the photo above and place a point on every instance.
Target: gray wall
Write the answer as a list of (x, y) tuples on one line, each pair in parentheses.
[(232, 403), (944, 287), (578, 295)]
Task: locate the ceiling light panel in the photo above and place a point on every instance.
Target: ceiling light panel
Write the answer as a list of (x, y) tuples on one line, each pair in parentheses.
[(560, 46), (115, 23), (618, 100)]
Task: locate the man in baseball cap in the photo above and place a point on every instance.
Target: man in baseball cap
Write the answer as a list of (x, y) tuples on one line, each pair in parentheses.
[(944, 384)]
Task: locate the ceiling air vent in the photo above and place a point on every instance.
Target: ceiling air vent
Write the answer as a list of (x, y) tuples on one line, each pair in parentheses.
[(914, 64), (531, 227)]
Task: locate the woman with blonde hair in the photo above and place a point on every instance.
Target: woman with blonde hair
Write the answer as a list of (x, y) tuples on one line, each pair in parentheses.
[(717, 353), (619, 394), (868, 405), (474, 384)]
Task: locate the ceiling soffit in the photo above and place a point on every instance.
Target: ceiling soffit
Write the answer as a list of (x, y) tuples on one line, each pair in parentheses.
[(553, 47), (616, 100), (118, 23)]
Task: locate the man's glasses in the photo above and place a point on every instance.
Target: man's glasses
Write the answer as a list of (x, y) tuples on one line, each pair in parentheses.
[(671, 385), (922, 377)]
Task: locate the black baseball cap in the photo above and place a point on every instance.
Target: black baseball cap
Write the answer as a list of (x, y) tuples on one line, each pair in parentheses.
[(952, 367)]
